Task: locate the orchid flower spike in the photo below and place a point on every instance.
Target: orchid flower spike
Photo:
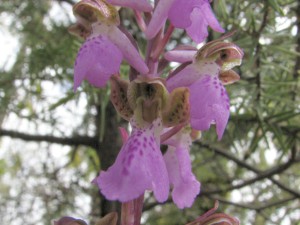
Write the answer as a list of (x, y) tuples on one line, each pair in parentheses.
[(106, 45), (192, 15), (205, 77)]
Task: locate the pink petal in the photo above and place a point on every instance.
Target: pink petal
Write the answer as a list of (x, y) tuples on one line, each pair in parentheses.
[(159, 18), (140, 5), (130, 53), (183, 8), (198, 28), (209, 104), (138, 167), (191, 73), (181, 55), (96, 61), (210, 18), (185, 185)]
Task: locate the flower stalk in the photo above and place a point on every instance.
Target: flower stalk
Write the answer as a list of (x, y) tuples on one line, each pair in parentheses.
[(171, 112)]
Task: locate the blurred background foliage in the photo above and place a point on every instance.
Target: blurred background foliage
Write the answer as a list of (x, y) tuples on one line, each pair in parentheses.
[(55, 141)]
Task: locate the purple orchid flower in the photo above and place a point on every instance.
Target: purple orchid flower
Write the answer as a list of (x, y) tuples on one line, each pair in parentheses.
[(101, 54), (140, 165), (205, 77), (192, 15), (178, 162)]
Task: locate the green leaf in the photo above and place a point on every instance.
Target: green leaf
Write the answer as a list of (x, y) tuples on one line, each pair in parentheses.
[(285, 50), (274, 4)]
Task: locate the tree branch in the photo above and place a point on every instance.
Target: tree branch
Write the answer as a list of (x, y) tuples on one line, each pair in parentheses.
[(260, 174), (252, 205), (72, 141)]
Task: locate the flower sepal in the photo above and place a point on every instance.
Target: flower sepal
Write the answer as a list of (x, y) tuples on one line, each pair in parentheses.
[(92, 11), (212, 218)]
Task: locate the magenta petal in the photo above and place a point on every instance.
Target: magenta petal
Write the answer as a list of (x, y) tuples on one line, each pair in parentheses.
[(130, 53), (209, 104), (138, 167), (184, 78), (210, 18), (191, 73), (180, 55), (198, 29), (141, 5), (183, 8), (159, 17), (97, 59), (185, 185)]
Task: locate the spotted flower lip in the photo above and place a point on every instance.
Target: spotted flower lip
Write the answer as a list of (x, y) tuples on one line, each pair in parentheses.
[(101, 55), (92, 66), (139, 166), (195, 17)]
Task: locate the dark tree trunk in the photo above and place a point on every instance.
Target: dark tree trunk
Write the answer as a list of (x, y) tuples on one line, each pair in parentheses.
[(107, 152)]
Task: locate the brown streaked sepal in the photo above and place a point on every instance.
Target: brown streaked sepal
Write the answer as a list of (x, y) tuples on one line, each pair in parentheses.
[(147, 96), (227, 55), (119, 98), (96, 11), (80, 30), (177, 110), (229, 77)]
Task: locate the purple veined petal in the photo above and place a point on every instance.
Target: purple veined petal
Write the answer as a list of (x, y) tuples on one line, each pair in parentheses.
[(97, 59), (179, 13), (191, 73), (180, 55), (198, 28), (209, 104), (185, 185), (140, 5), (130, 53), (138, 167), (158, 18), (210, 18)]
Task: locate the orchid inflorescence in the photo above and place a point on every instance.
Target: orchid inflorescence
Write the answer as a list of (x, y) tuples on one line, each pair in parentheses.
[(171, 111)]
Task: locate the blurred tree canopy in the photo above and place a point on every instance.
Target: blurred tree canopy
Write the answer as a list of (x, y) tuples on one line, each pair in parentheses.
[(55, 141)]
